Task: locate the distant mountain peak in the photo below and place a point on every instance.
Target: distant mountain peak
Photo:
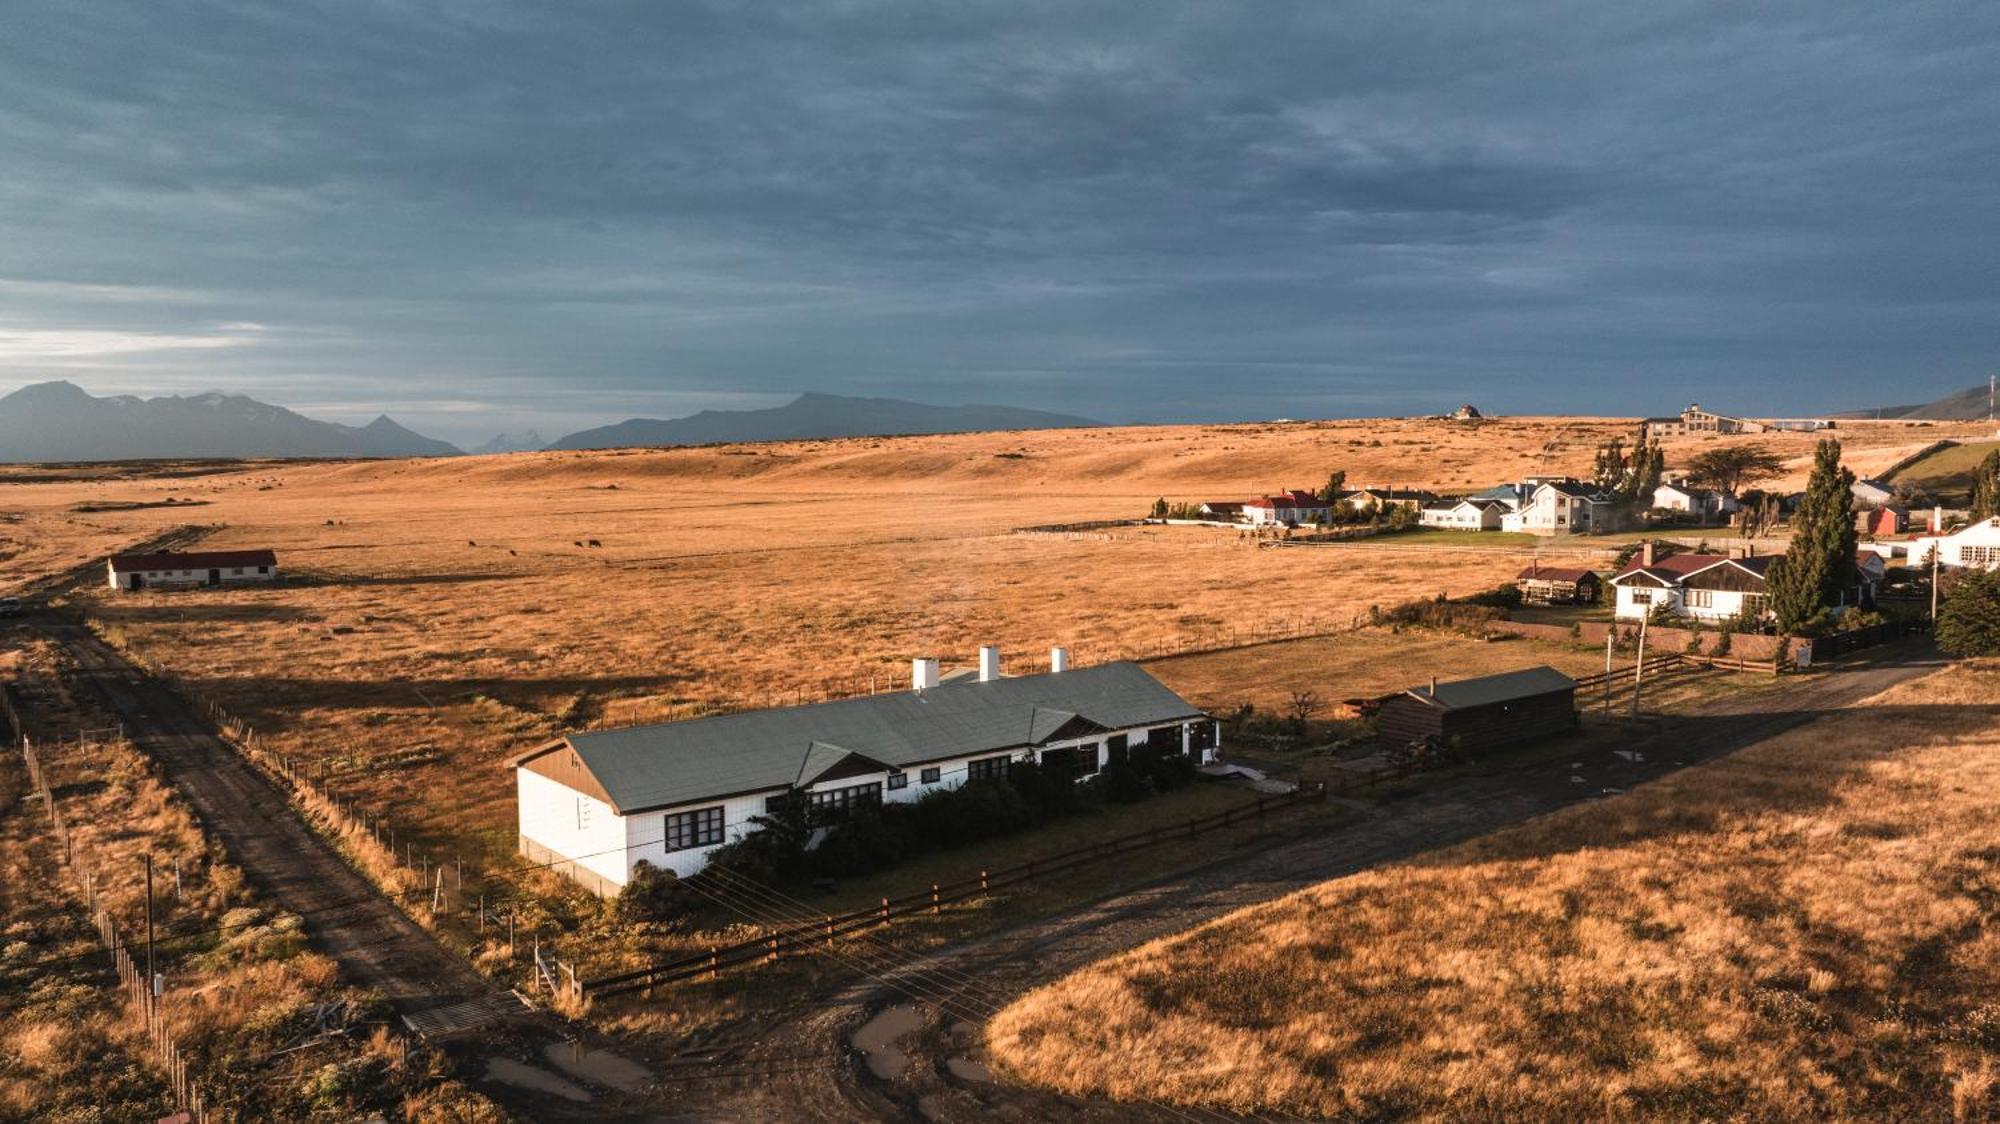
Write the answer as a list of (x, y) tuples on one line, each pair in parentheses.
[(813, 415), (59, 421)]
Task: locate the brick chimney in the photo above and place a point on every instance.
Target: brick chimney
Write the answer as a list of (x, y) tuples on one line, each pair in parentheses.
[(1646, 553)]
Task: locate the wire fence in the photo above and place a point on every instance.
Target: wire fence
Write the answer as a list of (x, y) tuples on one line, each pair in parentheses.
[(148, 998)]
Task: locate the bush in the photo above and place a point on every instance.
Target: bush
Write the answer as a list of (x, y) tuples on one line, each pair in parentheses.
[(1438, 613), (652, 895), (1499, 597)]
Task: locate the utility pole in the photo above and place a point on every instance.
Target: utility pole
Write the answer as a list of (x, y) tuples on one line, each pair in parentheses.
[(1934, 581), (1639, 668), (1610, 635)]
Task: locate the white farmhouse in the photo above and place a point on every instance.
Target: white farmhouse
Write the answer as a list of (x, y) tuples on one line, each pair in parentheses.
[(1465, 515), (1680, 496), (593, 805), (1977, 544), (212, 567), (1563, 507), (1705, 587)]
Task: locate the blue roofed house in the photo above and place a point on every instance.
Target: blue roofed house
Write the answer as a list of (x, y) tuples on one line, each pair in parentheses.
[(592, 805)]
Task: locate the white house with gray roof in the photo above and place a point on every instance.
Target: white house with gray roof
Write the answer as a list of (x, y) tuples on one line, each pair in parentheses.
[(592, 805)]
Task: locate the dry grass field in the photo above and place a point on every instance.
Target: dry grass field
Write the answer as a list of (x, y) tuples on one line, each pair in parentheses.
[(439, 615), (1806, 930)]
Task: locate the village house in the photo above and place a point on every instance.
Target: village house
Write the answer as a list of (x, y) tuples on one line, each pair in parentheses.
[(1558, 585), (1694, 420), (1563, 507), (1373, 498), (169, 570), (1288, 508), (1685, 497), (1222, 511), (1976, 545), (1475, 715), (1873, 493), (1464, 515), (593, 805), (1712, 587), (1708, 587)]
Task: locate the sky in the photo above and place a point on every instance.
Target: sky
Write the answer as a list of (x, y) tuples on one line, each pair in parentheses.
[(486, 216)]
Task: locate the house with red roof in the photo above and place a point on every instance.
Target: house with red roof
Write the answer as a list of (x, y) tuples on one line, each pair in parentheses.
[(1702, 586), (1288, 508), (168, 569)]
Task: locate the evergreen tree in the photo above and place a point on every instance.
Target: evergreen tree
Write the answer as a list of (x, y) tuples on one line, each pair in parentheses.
[(1986, 487), (1819, 565), (1609, 470), (1336, 485), (1648, 465), (1969, 621), (1160, 508)]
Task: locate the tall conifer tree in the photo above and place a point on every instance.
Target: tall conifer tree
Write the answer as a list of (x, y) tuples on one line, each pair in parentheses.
[(1818, 567)]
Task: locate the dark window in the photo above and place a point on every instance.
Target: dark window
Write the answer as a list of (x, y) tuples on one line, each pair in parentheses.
[(834, 804), (699, 828), (773, 803), (1078, 762), (263, 569), (1117, 749), (899, 779), (1201, 736), (986, 769), (930, 775)]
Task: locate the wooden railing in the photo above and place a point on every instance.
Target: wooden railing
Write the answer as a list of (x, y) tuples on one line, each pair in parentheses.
[(811, 936)]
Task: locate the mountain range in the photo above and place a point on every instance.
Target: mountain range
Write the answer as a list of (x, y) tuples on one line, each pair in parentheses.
[(526, 441), (815, 416), (60, 421), (1970, 404)]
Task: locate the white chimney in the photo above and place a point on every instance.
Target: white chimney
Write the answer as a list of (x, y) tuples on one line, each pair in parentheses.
[(923, 674), (1058, 659), (989, 663)]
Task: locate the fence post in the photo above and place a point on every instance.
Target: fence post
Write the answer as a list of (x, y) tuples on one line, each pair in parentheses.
[(936, 907), (983, 884)]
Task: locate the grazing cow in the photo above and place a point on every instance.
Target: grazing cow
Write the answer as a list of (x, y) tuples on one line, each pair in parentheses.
[(594, 542)]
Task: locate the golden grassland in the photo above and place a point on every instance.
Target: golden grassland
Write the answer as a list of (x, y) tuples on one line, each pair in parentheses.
[(443, 614), (1809, 929), (241, 984)]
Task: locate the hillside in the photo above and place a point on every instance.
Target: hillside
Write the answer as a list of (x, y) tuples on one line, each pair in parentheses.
[(1970, 404), (59, 421), (1802, 931), (815, 416)]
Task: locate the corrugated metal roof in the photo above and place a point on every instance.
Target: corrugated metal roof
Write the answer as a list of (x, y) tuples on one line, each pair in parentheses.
[(682, 762), (1504, 687), (195, 560)]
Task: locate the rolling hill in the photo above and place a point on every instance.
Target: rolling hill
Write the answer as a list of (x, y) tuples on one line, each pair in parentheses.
[(1969, 404)]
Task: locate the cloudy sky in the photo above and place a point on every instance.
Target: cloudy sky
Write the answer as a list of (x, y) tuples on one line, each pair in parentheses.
[(483, 216)]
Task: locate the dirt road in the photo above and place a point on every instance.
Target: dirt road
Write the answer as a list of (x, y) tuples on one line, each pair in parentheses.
[(953, 990), (346, 917)]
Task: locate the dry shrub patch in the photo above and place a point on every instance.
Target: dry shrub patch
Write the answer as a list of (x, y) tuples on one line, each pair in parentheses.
[(1805, 930)]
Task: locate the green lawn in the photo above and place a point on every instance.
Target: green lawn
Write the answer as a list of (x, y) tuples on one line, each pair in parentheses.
[(1947, 473)]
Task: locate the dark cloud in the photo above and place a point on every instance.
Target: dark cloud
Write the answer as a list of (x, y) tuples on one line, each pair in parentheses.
[(485, 215)]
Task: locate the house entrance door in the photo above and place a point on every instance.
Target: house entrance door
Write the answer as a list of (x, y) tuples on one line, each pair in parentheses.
[(215, 577)]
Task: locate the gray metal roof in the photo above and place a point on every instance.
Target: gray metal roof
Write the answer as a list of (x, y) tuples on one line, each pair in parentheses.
[(1504, 687), (673, 763)]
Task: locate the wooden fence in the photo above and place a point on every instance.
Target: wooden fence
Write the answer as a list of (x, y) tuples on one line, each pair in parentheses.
[(812, 936), (148, 1003)]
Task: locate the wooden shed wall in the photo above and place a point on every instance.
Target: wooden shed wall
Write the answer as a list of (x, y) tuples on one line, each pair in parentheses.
[(1482, 728), (1403, 719)]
